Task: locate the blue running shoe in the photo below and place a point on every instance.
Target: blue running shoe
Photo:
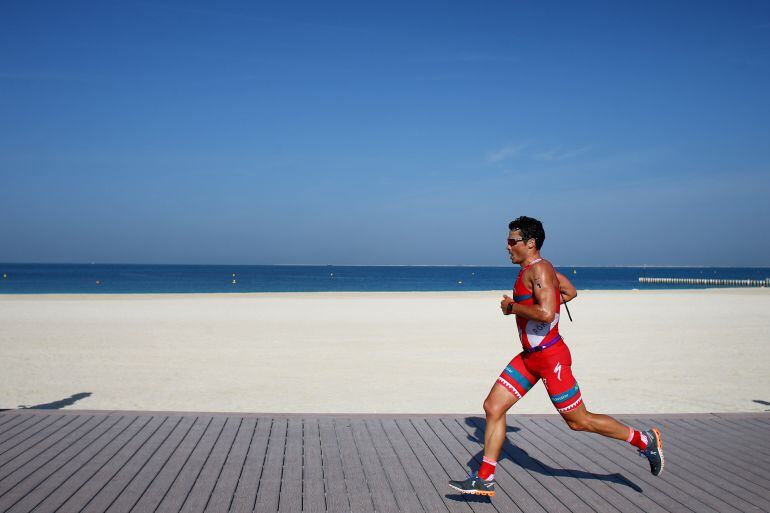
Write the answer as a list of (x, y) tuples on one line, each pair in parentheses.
[(474, 485), (654, 451)]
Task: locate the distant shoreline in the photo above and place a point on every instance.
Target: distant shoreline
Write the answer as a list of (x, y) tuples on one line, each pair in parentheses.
[(576, 266), (191, 279)]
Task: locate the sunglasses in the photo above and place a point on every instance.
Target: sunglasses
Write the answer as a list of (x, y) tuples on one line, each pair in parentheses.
[(512, 242)]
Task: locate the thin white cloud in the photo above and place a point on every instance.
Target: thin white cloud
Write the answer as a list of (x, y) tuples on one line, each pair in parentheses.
[(556, 154), (505, 153)]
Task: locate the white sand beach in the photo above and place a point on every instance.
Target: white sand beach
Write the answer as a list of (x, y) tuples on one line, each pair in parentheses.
[(423, 352)]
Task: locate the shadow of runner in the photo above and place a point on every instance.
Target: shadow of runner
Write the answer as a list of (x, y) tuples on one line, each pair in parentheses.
[(57, 405), (524, 460)]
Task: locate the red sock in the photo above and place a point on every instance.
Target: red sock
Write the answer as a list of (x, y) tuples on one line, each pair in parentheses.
[(637, 439), (487, 470)]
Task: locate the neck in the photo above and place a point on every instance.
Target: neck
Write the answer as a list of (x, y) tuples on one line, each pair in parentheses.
[(531, 258)]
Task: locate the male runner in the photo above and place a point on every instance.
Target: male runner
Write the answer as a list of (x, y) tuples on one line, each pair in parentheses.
[(537, 295)]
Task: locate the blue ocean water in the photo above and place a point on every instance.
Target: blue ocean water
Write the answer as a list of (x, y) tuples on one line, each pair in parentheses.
[(127, 279)]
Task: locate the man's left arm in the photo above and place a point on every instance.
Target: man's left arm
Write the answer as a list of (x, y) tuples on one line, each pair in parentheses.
[(545, 288)]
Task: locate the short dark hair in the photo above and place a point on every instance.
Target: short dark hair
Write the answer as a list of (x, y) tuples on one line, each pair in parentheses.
[(530, 228)]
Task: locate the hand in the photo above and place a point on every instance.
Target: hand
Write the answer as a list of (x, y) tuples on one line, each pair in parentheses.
[(507, 304)]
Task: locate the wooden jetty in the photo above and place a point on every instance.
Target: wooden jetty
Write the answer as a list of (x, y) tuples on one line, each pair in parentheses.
[(118, 461), (713, 282)]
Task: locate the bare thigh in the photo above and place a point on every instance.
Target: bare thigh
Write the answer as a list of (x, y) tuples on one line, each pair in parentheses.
[(499, 400)]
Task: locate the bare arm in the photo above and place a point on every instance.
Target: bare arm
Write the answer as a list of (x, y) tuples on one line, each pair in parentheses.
[(545, 287), (566, 288)]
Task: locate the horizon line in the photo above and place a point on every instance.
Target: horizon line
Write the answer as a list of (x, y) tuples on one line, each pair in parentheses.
[(620, 266)]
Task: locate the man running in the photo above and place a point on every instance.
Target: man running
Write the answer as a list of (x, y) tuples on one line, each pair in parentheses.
[(537, 295)]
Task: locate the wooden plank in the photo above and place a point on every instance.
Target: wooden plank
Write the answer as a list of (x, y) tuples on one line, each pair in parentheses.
[(112, 489), (245, 497), (404, 493), (87, 472), (16, 423), (601, 497), (382, 494), (147, 475), (721, 475), (404, 490), (84, 493), (620, 485), (714, 448), (509, 494), (19, 432), (530, 457), (165, 477), (426, 492), (313, 498), (672, 486), (358, 491), (74, 461), (7, 416), (29, 471), (37, 444), (514, 470), (751, 426), (49, 477), (721, 466), (270, 482), (334, 478), (290, 497), (452, 465), (224, 491), (188, 475), (432, 466), (204, 485), (733, 434)]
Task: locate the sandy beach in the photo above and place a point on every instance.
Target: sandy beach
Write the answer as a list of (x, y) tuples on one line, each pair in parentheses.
[(423, 352)]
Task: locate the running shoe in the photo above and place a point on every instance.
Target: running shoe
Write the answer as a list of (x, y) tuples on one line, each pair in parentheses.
[(474, 485), (654, 451)]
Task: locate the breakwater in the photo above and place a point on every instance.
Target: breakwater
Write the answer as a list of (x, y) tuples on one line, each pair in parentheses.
[(707, 281)]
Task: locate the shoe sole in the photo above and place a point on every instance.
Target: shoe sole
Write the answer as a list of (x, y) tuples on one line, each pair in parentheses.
[(659, 442), (473, 492)]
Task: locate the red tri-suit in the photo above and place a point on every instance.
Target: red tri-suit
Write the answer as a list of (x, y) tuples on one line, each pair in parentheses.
[(545, 355)]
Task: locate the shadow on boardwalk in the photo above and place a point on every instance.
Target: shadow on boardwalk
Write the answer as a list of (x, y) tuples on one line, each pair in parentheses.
[(522, 458)]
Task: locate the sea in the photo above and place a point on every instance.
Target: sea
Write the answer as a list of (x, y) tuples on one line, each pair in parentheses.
[(185, 279)]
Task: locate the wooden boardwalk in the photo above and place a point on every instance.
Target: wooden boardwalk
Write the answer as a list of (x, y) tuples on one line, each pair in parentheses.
[(86, 461)]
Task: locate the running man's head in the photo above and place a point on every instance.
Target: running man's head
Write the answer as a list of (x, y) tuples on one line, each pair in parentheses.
[(525, 238)]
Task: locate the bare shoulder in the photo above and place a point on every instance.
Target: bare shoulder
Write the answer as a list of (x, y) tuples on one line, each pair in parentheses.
[(542, 274)]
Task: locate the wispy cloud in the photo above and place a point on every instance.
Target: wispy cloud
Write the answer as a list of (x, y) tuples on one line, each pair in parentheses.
[(463, 57), (506, 152), (557, 153), (483, 57)]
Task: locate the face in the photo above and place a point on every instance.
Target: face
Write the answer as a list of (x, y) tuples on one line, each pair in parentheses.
[(517, 250)]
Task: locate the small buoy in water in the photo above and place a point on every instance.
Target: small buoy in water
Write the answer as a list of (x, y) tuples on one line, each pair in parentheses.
[(473, 274), (574, 271), (98, 282), (5, 275), (233, 282), (331, 274), (233, 275), (460, 282)]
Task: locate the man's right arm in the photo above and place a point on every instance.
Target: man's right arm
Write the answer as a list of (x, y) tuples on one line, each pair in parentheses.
[(566, 288)]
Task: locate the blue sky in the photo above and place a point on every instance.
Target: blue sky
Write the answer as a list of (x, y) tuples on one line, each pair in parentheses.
[(401, 133)]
